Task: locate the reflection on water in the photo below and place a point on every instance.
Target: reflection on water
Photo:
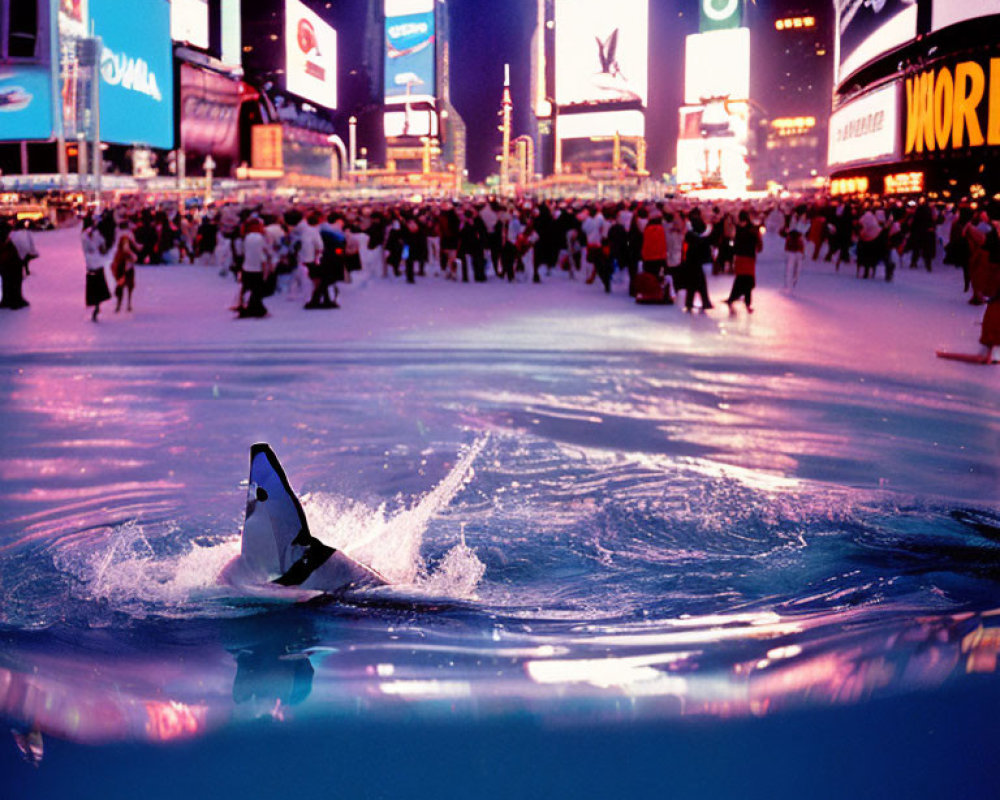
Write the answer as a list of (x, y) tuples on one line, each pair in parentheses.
[(572, 536)]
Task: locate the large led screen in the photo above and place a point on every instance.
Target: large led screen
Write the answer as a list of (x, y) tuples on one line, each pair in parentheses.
[(867, 29), (712, 145), (137, 79), (602, 124), (25, 103), (310, 56), (717, 65), (189, 22), (601, 51), (867, 129), (409, 51), (415, 122), (950, 12)]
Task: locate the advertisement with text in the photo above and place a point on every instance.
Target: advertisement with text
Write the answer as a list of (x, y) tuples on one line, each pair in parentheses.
[(137, 78), (409, 52)]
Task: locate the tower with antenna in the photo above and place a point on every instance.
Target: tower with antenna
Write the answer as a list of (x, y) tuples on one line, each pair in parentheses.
[(507, 106)]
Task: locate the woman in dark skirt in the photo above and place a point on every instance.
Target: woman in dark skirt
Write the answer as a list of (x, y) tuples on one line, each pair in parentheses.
[(94, 251), (747, 244)]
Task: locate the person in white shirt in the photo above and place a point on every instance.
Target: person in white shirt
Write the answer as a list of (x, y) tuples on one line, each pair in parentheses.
[(95, 250), (595, 230), (24, 245), (795, 230), (257, 264)]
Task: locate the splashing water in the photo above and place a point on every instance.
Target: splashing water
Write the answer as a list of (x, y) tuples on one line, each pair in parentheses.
[(389, 543), (133, 570)]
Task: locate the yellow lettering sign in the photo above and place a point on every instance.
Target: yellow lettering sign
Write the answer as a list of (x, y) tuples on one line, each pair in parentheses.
[(970, 83)]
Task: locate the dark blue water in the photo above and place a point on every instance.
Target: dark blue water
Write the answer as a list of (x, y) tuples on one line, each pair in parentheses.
[(615, 573)]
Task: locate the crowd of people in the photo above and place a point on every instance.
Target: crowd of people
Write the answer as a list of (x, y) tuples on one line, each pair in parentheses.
[(304, 251)]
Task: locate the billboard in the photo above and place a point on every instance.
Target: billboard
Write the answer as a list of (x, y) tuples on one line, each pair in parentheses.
[(716, 65), (950, 12), (867, 29), (73, 17), (953, 105), (189, 22), (712, 146), (210, 115), (601, 51), (866, 130), (412, 122), (137, 81), (232, 34), (25, 102), (409, 51), (720, 15), (310, 56)]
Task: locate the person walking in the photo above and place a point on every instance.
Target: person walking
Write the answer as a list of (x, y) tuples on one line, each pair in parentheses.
[(123, 265), (797, 225), (14, 272), (94, 252), (698, 253), (747, 243), (257, 263)]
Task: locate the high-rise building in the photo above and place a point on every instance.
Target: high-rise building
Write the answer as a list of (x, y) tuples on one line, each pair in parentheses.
[(791, 85), (423, 131)]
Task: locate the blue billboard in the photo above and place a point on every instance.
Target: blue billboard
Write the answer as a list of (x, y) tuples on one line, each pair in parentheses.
[(409, 57), (25, 102), (137, 79)]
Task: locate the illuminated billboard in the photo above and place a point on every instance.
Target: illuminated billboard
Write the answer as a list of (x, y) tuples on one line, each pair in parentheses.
[(189, 22), (953, 105), (310, 56), (712, 146), (210, 115), (866, 130), (716, 65), (409, 51), (25, 102), (137, 78), (950, 12), (720, 14), (232, 35), (412, 122), (867, 29), (601, 51)]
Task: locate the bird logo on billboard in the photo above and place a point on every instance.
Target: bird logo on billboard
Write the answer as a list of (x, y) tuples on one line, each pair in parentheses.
[(610, 77)]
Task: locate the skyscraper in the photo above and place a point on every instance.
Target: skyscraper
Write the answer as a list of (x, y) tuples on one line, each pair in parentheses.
[(791, 84)]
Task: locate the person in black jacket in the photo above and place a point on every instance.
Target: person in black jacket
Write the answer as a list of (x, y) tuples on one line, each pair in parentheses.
[(699, 253)]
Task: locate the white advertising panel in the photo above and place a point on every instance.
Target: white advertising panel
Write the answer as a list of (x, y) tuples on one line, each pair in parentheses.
[(867, 29), (410, 123), (866, 129), (717, 64), (589, 125), (950, 12), (310, 56), (719, 163), (601, 51), (232, 35), (189, 22)]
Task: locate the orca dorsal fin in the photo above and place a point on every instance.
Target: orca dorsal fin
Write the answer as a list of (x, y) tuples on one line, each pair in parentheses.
[(277, 545)]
